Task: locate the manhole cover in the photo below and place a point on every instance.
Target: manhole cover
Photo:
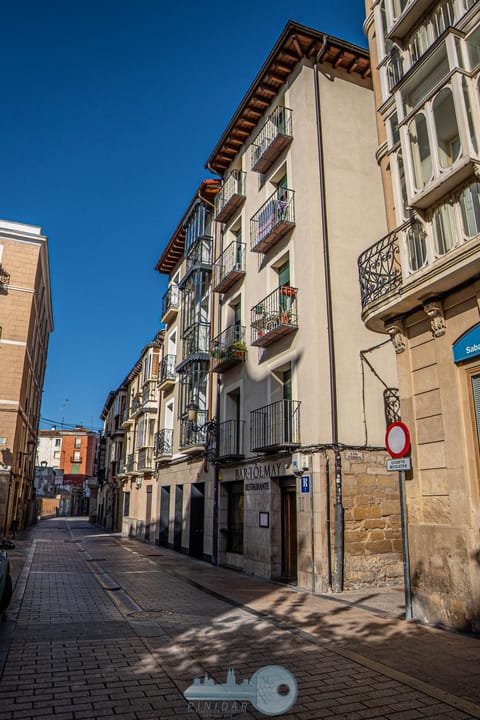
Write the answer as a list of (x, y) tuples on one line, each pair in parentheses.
[(149, 614)]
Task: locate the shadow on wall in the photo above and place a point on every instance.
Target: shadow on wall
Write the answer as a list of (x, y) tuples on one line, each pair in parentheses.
[(7, 457), (440, 599)]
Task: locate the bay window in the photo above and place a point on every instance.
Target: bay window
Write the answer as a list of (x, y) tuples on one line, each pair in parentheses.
[(420, 150), (444, 228), (470, 209), (448, 138), (416, 246)]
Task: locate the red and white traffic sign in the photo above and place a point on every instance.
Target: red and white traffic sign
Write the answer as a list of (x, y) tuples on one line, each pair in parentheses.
[(397, 439)]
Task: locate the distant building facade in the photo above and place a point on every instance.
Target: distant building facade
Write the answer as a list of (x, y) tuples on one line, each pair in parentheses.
[(26, 322), (420, 283), (73, 452)]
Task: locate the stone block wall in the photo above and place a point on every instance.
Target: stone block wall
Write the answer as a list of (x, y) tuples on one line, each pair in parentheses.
[(373, 537)]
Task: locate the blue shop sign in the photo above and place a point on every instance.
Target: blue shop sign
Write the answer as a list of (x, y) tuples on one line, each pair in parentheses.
[(468, 346)]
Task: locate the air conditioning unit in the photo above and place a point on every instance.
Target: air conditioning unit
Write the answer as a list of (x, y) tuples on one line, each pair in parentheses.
[(300, 463)]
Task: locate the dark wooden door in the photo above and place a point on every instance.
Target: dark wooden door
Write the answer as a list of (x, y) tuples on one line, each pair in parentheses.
[(289, 533), (164, 515), (148, 513), (197, 512), (178, 520)]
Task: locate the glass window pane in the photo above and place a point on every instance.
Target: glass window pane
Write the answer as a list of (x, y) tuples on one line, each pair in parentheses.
[(444, 228), (468, 107), (448, 139), (420, 148), (470, 207), (416, 247)]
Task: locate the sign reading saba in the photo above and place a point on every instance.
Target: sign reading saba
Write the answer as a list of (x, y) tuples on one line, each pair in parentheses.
[(468, 345)]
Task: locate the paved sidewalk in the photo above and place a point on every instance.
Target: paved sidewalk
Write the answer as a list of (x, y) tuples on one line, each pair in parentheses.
[(102, 627)]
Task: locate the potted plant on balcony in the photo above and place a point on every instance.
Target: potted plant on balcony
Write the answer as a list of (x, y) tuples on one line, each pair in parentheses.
[(238, 349), (288, 291)]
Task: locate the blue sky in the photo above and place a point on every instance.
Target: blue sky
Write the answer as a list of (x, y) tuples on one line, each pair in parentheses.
[(110, 110)]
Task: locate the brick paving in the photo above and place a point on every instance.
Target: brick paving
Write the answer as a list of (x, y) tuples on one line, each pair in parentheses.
[(102, 627)]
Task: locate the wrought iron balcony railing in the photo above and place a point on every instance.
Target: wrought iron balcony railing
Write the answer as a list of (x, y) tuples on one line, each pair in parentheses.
[(274, 219), (231, 196), (164, 443), (274, 316), (170, 303), (199, 258), (145, 459), (379, 269), (231, 439), (167, 374), (131, 464), (196, 343), (229, 267), (75, 459), (193, 434), (273, 138), (136, 404), (228, 348), (275, 427)]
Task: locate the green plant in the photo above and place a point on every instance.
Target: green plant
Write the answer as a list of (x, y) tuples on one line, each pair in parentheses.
[(238, 346)]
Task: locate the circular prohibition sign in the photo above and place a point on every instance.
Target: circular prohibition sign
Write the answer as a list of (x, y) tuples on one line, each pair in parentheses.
[(397, 439)]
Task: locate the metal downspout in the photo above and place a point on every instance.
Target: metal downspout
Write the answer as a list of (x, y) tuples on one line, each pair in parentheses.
[(339, 514)]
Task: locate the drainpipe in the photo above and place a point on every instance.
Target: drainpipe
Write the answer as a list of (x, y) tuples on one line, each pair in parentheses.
[(339, 515)]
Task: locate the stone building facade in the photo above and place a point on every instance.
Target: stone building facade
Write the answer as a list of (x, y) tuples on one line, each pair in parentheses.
[(420, 283)]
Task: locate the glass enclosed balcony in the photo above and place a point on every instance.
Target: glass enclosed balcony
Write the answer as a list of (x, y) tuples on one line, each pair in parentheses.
[(274, 316), (164, 443), (145, 459), (231, 440), (199, 258), (167, 374), (131, 464), (231, 196), (228, 348), (274, 219), (426, 258), (149, 395), (275, 427), (229, 267), (170, 304), (273, 138), (195, 344)]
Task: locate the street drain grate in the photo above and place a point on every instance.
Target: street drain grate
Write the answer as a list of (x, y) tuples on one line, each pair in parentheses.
[(149, 614)]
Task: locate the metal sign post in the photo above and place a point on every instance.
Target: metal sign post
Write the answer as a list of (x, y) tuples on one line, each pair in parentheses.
[(397, 442)]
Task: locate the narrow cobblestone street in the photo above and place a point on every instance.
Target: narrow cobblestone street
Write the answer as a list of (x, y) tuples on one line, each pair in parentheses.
[(103, 627)]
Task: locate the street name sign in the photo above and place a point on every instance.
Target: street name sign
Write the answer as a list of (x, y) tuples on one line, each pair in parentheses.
[(398, 464)]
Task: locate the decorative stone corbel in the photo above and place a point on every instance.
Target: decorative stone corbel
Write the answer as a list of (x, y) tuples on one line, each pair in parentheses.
[(434, 310), (396, 330)]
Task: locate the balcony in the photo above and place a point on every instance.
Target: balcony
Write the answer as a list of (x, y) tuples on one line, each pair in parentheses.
[(274, 316), (228, 348), (75, 459), (136, 404), (195, 344), (231, 196), (229, 267), (273, 138), (170, 304), (131, 464), (167, 374), (415, 263), (193, 434), (4, 281), (145, 459), (379, 269), (199, 258), (275, 427), (274, 219), (149, 395), (164, 443), (231, 440)]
